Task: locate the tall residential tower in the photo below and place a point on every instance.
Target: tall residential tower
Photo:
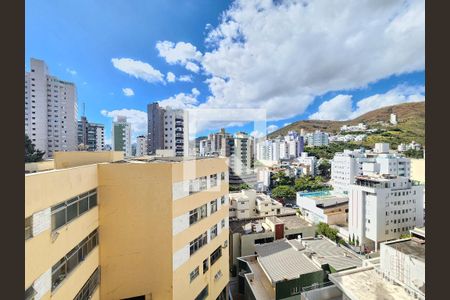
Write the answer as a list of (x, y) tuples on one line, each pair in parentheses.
[(121, 136), (50, 110)]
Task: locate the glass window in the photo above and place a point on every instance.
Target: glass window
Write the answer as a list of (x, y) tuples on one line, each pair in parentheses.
[(222, 200), (213, 206), (58, 273), (92, 200), (72, 209), (216, 255), (194, 274), (28, 227), (213, 231), (83, 205), (58, 216), (205, 265), (222, 223), (213, 180)]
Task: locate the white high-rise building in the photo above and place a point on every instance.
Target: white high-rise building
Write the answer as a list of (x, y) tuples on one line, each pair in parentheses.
[(176, 132), (381, 208), (309, 163), (121, 136), (141, 145), (345, 166), (50, 110)]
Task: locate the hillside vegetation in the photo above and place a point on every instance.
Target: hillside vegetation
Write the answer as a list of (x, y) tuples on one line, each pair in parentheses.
[(410, 127)]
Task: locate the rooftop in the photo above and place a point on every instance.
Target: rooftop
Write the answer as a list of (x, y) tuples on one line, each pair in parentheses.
[(409, 247), (290, 222), (366, 283), (282, 261)]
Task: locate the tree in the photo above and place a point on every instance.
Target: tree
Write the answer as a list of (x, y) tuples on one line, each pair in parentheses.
[(310, 184), (283, 192), (31, 153), (326, 230), (324, 169), (413, 153)]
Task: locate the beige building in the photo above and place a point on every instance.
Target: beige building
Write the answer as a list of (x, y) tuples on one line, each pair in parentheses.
[(418, 170), (250, 204), (102, 227)]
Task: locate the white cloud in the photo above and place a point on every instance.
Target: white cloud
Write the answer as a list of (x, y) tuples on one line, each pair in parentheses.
[(271, 128), (257, 134), (340, 107), (337, 108), (181, 53), (170, 77), (138, 69), (280, 56), (185, 78), (181, 100), (71, 71), (137, 119), (128, 92)]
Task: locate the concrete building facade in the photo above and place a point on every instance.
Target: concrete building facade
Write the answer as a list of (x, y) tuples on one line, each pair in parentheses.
[(50, 110), (382, 208), (98, 229), (317, 138), (91, 135), (121, 136), (141, 146)]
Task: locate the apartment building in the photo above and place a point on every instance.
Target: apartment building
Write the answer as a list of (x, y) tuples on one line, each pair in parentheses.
[(348, 164), (121, 136), (50, 110), (155, 115), (141, 146), (215, 143), (323, 206), (249, 204), (309, 163), (317, 138), (168, 129), (382, 208), (98, 226), (91, 135), (241, 161)]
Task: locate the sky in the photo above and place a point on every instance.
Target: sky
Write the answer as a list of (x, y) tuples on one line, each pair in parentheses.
[(296, 60)]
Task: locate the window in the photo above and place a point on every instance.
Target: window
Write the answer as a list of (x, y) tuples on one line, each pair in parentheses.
[(73, 258), (64, 212), (203, 294), (28, 227), (199, 242), (213, 180), (197, 214), (213, 206), (222, 200), (194, 274), (205, 265), (222, 176), (213, 231), (89, 287), (295, 290), (203, 183), (216, 255), (222, 223)]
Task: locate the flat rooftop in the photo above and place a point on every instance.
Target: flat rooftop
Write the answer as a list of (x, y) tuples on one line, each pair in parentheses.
[(165, 159), (366, 283), (282, 261), (290, 222), (409, 247), (327, 252), (322, 195)]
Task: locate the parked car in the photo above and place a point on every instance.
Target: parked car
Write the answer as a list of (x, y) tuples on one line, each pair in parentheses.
[(288, 205), (295, 206)]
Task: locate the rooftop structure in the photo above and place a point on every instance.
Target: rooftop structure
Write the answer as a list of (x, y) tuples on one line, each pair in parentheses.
[(250, 204), (282, 269), (323, 206)]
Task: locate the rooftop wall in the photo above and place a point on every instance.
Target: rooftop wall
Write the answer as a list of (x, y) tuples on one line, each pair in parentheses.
[(80, 158)]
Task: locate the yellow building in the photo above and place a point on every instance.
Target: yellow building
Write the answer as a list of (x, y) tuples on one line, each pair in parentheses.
[(418, 169), (135, 229)]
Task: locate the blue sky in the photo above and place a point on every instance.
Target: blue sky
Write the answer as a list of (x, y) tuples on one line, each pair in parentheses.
[(258, 56)]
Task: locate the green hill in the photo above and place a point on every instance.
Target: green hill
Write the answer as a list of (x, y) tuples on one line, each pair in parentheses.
[(411, 124)]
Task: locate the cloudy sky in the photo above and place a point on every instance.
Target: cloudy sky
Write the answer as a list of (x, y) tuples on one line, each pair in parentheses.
[(297, 60)]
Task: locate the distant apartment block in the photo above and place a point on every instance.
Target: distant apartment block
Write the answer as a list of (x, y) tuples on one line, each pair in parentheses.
[(141, 146), (121, 136), (354, 128), (250, 204), (167, 130), (215, 144), (50, 110), (345, 166), (287, 147), (308, 164), (241, 160), (393, 119), (156, 228), (323, 206), (91, 135), (317, 138), (382, 208)]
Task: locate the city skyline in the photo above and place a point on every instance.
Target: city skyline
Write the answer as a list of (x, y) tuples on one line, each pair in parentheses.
[(144, 56)]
